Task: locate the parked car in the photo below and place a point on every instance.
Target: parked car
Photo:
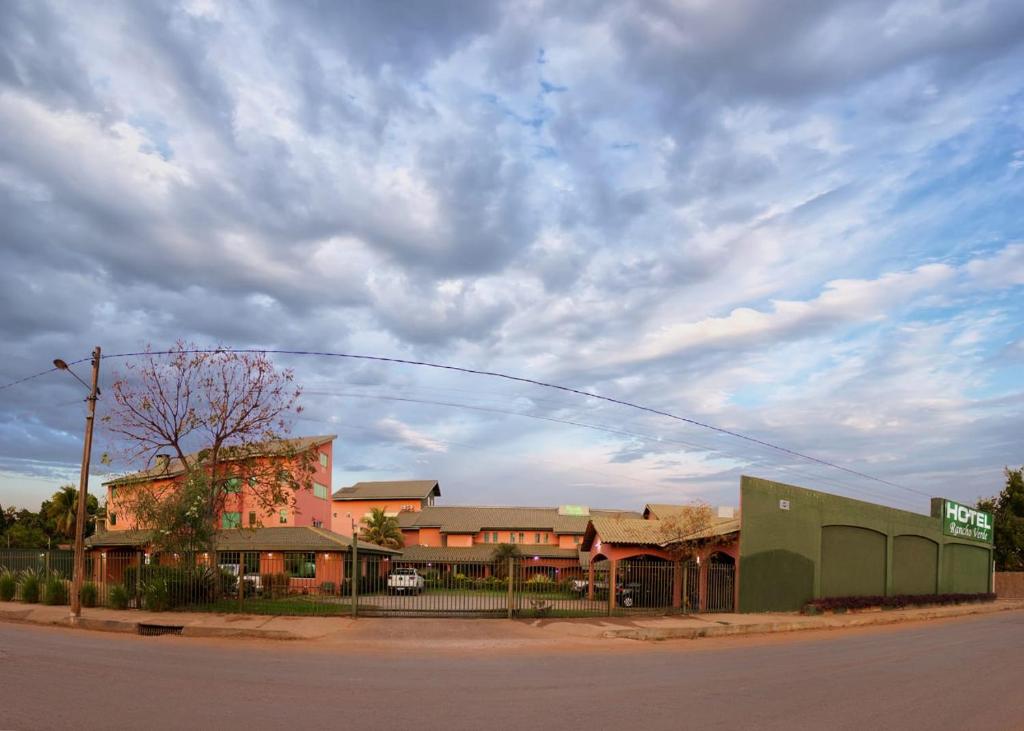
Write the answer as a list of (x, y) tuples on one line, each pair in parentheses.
[(402, 581), (580, 586), (637, 594)]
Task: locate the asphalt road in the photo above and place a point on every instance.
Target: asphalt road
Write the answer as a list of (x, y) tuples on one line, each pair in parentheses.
[(957, 674)]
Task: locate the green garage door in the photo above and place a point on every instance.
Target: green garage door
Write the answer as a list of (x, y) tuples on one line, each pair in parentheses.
[(965, 569), (915, 565), (852, 561)]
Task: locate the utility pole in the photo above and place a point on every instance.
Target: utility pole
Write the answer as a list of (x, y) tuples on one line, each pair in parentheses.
[(83, 489)]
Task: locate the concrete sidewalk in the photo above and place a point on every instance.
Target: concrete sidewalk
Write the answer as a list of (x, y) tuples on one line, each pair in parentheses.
[(454, 632)]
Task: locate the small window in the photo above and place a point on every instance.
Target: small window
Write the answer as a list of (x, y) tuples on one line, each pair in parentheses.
[(233, 485), (282, 515), (252, 518), (320, 491), (231, 520), (113, 518), (536, 537), (521, 538), (494, 537), (318, 523), (545, 537), (323, 459), (487, 537), (511, 537)]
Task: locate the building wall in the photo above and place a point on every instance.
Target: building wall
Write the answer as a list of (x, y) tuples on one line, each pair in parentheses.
[(306, 510), (826, 545), (1010, 584), (340, 521)]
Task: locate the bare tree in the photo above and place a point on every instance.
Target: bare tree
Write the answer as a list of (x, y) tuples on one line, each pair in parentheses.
[(221, 418), (687, 529)]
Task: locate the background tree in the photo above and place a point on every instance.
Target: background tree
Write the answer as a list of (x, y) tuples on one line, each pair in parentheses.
[(1008, 524), (382, 529), (225, 418), (687, 530), (62, 510)]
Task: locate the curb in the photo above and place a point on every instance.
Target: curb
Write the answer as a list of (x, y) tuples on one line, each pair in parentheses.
[(24, 616), (692, 633)]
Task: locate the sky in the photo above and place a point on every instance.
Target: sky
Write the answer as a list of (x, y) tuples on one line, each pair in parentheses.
[(799, 220)]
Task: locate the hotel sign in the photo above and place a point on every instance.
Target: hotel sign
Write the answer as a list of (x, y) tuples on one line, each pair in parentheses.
[(961, 521)]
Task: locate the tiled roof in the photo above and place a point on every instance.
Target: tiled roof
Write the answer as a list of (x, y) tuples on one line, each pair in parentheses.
[(649, 532), (250, 539), (470, 519), (480, 552), (175, 467), (391, 490)]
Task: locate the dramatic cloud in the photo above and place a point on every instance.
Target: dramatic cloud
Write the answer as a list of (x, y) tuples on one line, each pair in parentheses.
[(796, 220)]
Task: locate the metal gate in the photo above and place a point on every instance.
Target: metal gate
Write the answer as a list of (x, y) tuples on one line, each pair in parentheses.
[(721, 589)]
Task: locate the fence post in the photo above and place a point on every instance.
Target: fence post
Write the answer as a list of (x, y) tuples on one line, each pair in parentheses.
[(613, 570), (138, 578), (356, 575), (511, 582), (241, 582)]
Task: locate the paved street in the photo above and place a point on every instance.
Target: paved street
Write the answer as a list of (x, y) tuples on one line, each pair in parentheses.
[(953, 674)]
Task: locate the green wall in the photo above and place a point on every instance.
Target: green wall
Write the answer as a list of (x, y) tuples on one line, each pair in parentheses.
[(915, 565), (826, 545), (852, 561)]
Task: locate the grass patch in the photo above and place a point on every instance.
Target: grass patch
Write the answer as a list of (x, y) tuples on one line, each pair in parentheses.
[(294, 606)]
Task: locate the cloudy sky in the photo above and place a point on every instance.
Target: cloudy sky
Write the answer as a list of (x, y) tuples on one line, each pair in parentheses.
[(797, 220)]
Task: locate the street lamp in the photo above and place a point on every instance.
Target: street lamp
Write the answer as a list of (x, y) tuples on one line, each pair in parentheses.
[(83, 480)]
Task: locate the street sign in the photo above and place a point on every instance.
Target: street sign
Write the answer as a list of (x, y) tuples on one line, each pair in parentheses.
[(962, 521)]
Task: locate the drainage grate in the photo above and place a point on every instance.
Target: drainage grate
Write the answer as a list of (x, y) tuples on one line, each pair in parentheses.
[(159, 629)]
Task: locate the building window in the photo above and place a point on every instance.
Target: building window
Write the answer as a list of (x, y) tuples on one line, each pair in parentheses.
[(232, 485), (252, 518), (545, 537), (113, 518), (318, 523), (323, 459), (511, 537), (320, 491), (300, 565), (231, 520), (536, 537), (282, 516), (494, 537), (521, 538), (487, 537)]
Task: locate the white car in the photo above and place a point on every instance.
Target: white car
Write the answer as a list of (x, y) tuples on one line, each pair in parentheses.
[(401, 581)]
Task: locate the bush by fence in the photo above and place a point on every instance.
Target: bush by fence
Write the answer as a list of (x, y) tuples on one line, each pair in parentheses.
[(901, 601)]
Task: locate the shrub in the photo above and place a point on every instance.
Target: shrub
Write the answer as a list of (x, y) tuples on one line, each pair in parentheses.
[(88, 594), (55, 591), (117, 597), (157, 594), (328, 587), (274, 586), (845, 603), (8, 585), (30, 582), (539, 582)]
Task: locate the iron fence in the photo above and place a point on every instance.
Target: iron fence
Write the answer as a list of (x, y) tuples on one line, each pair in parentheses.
[(313, 583)]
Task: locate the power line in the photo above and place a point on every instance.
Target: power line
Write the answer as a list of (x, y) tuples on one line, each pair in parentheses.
[(714, 451), (517, 379)]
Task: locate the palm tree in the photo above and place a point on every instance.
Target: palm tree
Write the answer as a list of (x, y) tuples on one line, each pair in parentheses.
[(62, 510), (381, 529), (500, 556)]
